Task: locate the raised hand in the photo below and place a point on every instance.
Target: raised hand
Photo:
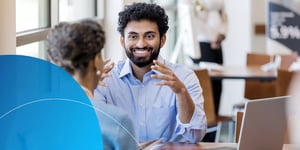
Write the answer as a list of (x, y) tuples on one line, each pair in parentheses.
[(167, 77), (108, 66)]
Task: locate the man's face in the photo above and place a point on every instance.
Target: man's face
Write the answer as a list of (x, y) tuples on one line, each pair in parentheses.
[(141, 42)]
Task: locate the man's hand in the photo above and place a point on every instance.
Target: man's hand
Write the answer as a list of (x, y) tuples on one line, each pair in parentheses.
[(185, 103), (107, 67), (167, 77)]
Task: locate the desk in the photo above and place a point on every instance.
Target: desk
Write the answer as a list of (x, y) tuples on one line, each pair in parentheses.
[(207, 146), (243, 72), (197, 146)]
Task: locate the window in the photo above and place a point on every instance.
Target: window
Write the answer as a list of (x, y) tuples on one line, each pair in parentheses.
[(72, 10), (170, 7), (36, 49), (32, 25), (32, 14), (34, 19)]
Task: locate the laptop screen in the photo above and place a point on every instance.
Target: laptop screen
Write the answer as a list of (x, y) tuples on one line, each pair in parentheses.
[(264, 124)]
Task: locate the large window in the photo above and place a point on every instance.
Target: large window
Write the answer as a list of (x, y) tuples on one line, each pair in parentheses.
[(32, 23), (34, 18)]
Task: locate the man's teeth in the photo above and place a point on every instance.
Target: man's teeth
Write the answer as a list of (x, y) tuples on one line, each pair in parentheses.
[(140, 52)]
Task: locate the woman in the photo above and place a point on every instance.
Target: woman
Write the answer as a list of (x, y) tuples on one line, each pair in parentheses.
[(76, 47)]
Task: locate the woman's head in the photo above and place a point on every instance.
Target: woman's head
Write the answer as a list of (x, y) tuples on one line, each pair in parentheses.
[(73, 46)]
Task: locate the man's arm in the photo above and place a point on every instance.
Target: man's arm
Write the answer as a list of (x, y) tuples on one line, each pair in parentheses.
[(191, 120), (185, 104)]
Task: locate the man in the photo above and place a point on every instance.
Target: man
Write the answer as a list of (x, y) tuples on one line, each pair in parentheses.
[(165, 99)]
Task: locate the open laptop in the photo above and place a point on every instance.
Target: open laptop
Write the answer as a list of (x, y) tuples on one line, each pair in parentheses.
[(263, 126)]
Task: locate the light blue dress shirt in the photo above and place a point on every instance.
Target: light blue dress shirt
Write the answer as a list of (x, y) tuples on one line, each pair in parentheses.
[(154, 108)]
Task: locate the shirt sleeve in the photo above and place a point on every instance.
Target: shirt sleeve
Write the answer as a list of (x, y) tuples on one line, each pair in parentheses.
[(99, 94), (195, 130)]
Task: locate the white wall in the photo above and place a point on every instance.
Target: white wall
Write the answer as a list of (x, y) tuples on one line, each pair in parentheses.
[(259, 10), (7, 27)]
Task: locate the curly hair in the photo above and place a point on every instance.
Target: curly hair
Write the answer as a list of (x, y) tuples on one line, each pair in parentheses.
[(139, 11), (72, 45)]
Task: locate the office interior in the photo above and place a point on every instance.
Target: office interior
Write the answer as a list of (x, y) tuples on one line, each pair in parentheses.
[(25, 24)]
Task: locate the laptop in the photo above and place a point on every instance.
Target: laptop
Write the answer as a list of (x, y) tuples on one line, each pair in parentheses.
[(263, 125)]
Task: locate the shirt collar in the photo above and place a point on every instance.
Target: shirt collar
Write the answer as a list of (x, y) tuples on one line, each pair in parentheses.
[(126, 69)]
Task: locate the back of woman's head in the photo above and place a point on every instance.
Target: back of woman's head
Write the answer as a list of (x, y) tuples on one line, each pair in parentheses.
[(73, 45)]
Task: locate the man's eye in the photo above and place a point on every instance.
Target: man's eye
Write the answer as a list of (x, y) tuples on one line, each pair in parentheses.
[(150, 36), (132, 36)]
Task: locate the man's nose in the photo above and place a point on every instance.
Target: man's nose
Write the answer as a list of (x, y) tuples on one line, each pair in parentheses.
[(141, 43)]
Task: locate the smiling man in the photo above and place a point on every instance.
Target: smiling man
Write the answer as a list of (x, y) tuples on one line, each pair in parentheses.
[(165, 99)]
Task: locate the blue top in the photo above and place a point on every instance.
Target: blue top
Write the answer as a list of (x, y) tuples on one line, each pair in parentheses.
[(154, 107), (116, 127)]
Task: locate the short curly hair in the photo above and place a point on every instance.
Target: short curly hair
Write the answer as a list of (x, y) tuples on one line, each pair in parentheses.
[(139, 11), (72, 45)]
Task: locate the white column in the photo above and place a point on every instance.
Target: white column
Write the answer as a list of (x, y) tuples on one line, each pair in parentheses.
[(7, 27), (235, 48), (113, 48)]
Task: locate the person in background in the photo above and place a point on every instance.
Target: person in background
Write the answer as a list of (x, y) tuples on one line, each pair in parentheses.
[(76, 47), (212, 22), (165, 99), (212, 28)]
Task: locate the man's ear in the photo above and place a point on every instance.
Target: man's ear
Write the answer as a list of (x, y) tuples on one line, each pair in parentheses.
[(122, 41), (163, 40)]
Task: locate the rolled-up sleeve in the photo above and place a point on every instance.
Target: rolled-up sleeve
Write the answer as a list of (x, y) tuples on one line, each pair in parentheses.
[(195, 130)]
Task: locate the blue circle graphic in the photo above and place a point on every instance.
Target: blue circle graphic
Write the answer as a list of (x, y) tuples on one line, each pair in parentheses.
[(43, 108)]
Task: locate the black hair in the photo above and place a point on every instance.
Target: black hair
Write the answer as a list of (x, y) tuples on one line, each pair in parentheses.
[(140, 11)]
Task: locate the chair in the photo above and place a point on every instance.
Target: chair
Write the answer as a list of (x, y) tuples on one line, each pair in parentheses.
[(259, 89), (284, 78), (214, 121), (256, 89), (287, 60), (238, 124)]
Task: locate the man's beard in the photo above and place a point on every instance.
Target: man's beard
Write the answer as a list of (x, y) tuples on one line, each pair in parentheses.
[(139, 61)]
